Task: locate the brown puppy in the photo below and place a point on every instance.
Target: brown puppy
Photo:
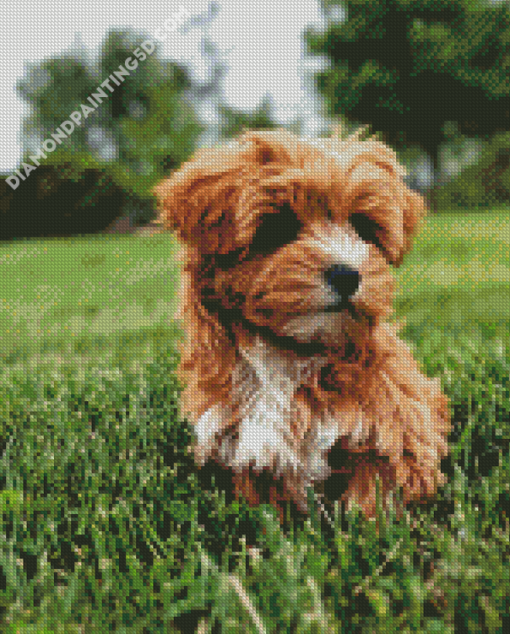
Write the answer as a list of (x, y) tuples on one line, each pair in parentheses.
[(289, 364)]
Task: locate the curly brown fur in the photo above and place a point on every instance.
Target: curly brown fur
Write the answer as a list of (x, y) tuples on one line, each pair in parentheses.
[(286, 289)]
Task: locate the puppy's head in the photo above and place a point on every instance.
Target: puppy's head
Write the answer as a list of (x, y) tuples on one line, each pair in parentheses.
[(292, 234)]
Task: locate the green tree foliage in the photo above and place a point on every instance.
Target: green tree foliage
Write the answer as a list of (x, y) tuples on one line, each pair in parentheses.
[(53, 89), (235, 121), (61, 200), (145, 126), (154, 125), (482, 185), (104, 170), (407, 67)]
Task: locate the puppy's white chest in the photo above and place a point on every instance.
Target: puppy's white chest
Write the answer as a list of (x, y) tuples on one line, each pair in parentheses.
[(264, 386)]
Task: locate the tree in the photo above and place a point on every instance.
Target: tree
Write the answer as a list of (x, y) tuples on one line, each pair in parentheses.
[(407, 67), (153, 124), (235, 121), (143, 128), (107, 166)]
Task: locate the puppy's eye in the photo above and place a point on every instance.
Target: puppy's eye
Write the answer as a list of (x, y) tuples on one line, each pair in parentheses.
[(275, 230), (367, 229)]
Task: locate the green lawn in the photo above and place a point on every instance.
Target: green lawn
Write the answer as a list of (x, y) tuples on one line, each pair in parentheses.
[(461, 265), (105, 524), (60, 291)]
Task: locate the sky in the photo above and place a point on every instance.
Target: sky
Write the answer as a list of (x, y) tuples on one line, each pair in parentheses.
[(261, 41)]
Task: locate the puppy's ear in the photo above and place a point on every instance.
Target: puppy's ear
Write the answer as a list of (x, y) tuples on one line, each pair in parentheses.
[(378, 198), (388, 221), (414, 210), (198, 201), (400, 224)]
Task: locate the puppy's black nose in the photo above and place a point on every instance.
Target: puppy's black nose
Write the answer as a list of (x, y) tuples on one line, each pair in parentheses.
[(344, 280)]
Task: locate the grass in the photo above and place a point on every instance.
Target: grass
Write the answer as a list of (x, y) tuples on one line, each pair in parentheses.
[(107, 526)]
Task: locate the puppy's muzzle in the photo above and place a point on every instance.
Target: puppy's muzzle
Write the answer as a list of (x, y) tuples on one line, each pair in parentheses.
[(344, 281)]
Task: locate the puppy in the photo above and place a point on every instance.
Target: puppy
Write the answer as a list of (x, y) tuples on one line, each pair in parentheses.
[(293, 375)]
